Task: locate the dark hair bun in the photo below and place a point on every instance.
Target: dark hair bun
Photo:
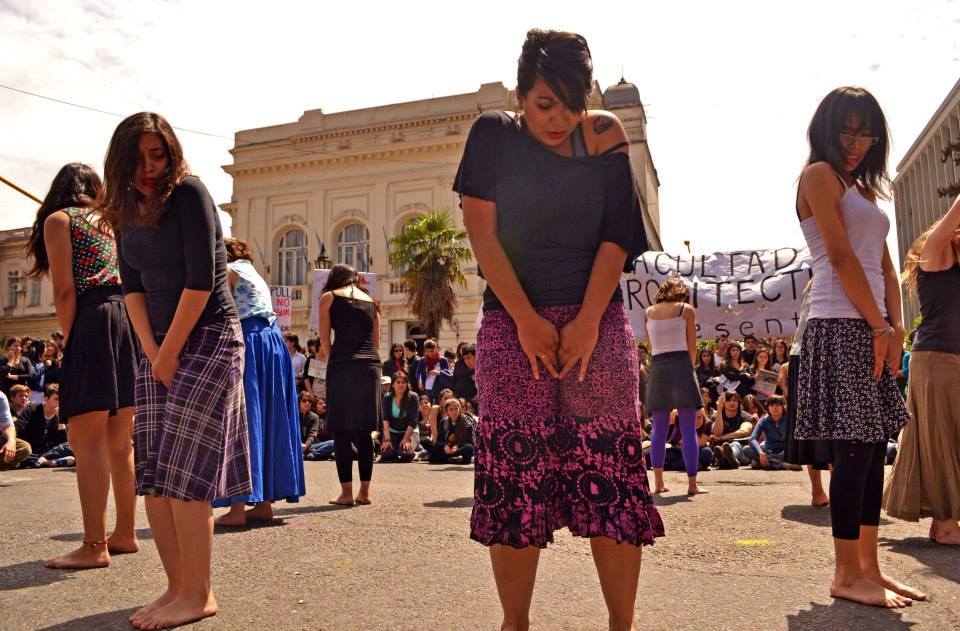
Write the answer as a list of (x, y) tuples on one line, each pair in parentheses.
[(560, 58)]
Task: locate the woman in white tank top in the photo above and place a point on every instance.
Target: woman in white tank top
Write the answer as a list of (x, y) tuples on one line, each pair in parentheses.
[(846, 391), (671, 329)]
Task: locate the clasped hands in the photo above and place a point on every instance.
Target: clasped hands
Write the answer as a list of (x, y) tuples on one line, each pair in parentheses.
[(558, 351)]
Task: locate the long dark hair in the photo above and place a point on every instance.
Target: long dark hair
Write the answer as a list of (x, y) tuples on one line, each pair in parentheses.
[(119, 201), (563, 60), (75, 185), (342, 275), (824, 136)]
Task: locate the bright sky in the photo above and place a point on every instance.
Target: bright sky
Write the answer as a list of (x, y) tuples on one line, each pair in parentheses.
[(729, 87)]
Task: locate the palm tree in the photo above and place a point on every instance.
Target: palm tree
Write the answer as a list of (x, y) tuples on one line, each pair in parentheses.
[(430, 250)]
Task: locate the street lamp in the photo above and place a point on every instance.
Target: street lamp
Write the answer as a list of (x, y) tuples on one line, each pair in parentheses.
[(323, 261)]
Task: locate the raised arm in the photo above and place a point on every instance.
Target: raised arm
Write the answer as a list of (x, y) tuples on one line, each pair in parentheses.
[(937, 254)]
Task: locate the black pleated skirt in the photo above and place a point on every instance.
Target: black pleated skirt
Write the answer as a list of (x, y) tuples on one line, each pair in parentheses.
[(100, 361), (353, 396), (818, 453)]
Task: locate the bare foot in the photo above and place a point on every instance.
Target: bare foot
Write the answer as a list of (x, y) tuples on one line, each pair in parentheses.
[(865, 591), (262, 512), (820, 499), (696, 490), (123, 545), (896, 586), (231, 519), (362, 499), (945, 536), (179, 612), (342, 500), (87, 557), (661, 489), (165, 599)]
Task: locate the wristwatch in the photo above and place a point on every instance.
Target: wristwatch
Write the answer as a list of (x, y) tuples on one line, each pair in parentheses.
[(887, 330)]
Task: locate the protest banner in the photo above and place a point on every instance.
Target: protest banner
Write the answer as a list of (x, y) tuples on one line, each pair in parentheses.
[(368, 280), (734, 293), (282, 298)]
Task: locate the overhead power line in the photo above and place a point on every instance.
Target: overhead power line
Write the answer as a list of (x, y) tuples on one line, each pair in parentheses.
[(99, 111)]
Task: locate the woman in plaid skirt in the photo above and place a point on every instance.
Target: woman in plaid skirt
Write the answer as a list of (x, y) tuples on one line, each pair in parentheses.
[(190, 433)]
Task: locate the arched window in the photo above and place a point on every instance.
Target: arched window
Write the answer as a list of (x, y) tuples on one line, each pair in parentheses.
[(292, 258), (353, 247)]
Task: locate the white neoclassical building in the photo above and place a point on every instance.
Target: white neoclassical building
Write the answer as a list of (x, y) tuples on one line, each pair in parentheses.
[(921, 172), (349, 181)]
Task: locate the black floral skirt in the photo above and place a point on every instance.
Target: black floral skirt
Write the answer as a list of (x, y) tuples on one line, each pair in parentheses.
[(837, 396)]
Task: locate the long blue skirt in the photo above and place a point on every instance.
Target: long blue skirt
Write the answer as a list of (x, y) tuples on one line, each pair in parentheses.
[(273, 417)]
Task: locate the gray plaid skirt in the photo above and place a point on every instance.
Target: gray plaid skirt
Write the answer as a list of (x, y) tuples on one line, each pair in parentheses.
[(190, 441)]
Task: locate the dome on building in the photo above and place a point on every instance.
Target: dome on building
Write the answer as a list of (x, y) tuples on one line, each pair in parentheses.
[(623, 94)]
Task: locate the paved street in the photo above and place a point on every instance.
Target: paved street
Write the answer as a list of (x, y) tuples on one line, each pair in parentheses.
[(749, 555)]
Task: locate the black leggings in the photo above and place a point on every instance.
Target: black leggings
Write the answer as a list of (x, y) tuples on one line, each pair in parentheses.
[(856, 486), (343, 443)]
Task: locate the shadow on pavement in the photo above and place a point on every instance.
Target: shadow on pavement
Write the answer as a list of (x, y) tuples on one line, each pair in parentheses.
[(843, 615), (99, 621), (30, 574), (307, 510), (142, 533), (462, 502), (453, 467), (813, 515), (253, 524), (670, 500), (944, 560)]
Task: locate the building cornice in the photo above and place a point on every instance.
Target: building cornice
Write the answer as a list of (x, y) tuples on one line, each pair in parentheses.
[(321, 159), (951, 101)]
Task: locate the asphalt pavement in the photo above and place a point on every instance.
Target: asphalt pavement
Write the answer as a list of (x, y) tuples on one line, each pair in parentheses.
[(751, 554)]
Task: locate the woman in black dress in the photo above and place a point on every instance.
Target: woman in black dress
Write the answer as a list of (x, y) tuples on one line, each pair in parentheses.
[(71, 243), (353, 376)]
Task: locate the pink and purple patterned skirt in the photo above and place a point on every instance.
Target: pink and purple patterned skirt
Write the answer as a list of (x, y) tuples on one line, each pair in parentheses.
[(554, 453)]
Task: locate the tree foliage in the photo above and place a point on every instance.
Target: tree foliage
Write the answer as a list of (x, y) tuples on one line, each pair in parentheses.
[(950, 152), (430, 250)]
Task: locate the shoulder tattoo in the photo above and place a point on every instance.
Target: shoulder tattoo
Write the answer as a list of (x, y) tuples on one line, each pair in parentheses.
[(602, 124)]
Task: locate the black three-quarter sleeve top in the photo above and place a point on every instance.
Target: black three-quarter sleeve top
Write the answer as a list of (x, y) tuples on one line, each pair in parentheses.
[(184, 251), (553, 211)]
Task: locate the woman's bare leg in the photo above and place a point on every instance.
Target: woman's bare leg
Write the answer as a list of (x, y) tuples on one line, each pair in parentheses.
[(120, 445), (87, 435), (515, 571), (618, 566)]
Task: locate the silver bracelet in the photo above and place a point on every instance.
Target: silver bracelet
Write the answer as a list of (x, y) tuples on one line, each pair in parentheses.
[(887, 330)]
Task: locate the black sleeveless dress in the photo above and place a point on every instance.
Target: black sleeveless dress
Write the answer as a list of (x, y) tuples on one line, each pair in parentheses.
[(354, 369)]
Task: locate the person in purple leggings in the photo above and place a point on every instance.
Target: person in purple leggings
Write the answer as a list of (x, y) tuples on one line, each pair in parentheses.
[(671, 328), (551, 206)]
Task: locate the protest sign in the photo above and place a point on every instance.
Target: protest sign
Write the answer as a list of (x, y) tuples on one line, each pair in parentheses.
[(734, 293), (282, 298)]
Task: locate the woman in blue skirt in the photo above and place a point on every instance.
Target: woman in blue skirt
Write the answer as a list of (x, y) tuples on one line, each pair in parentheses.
[(273, 420)]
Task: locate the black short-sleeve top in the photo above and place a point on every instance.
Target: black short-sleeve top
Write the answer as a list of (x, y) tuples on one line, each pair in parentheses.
[(553, 211), (184, 251)]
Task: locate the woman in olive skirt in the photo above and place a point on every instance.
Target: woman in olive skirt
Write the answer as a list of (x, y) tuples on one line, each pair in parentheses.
[(353, 377), (71, 244), (190, 435)]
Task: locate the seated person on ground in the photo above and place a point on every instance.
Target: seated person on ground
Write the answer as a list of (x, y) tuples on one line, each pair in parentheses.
[(455, 436), (19, 399), (774, 428), (39, 424), (401, 412), (731, 427), (14, 450)]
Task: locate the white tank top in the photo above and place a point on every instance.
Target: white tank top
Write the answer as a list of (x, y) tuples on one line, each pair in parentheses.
[(867, 228), (667, 336)]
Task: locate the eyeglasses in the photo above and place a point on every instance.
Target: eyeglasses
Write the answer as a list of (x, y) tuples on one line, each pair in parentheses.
[(862, 141)]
